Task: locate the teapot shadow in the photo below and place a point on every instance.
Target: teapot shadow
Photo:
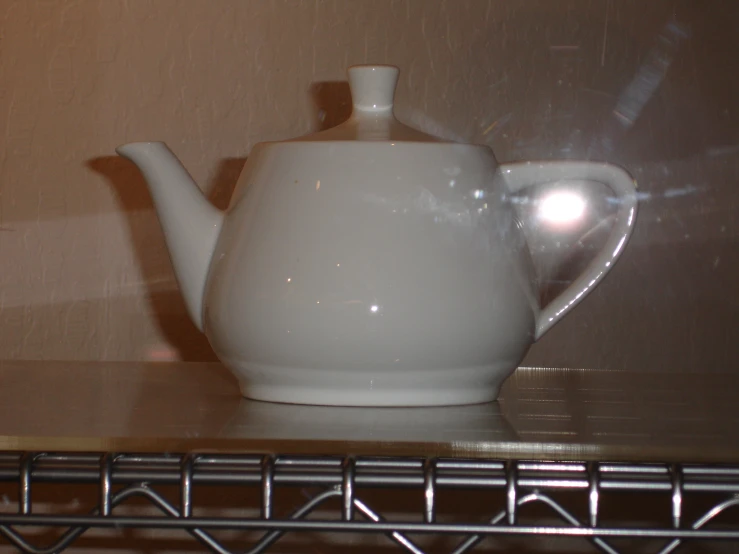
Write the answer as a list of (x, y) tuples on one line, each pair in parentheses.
[(333, 102), (165, 299)]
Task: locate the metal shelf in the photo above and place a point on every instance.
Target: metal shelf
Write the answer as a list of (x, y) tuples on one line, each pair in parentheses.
[(610, 461), (121, 477)]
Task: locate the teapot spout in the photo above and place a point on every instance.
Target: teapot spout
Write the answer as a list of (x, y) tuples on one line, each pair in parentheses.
[(191, 224)]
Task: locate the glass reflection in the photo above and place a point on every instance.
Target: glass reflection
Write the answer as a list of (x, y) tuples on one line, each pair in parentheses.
[(561, 207)]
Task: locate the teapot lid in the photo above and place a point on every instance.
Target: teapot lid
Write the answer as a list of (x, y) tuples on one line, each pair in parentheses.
[(372, 119)]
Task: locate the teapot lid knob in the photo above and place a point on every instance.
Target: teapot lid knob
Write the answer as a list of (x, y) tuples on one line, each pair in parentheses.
[(373, 87)]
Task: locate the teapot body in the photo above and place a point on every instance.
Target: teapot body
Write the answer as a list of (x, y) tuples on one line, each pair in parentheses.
[(361, 273), (372, 264)]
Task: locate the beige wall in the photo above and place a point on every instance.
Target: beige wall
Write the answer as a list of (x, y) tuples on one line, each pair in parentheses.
[(83, 270)]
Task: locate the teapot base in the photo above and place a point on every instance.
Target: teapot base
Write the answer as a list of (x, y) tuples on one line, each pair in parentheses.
[(352, 388)]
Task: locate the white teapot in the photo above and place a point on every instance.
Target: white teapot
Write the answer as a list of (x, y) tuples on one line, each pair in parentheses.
[(369, 264)]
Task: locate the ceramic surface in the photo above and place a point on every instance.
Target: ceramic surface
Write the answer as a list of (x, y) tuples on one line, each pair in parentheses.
[(371, 264)]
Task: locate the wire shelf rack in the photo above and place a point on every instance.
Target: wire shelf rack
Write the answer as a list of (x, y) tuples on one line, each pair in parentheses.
[(95, 455), (345, 490)]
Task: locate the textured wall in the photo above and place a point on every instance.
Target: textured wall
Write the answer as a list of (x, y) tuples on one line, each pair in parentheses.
[(84, 273)]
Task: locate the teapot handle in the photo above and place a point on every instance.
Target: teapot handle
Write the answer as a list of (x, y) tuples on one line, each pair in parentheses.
[(522, 175)]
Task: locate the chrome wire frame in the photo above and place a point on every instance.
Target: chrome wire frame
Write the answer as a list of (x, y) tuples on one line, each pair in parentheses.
[(122, 476)]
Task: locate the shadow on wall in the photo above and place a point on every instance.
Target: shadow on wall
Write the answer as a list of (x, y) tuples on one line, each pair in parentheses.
[(167, 305), (333, 102)]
